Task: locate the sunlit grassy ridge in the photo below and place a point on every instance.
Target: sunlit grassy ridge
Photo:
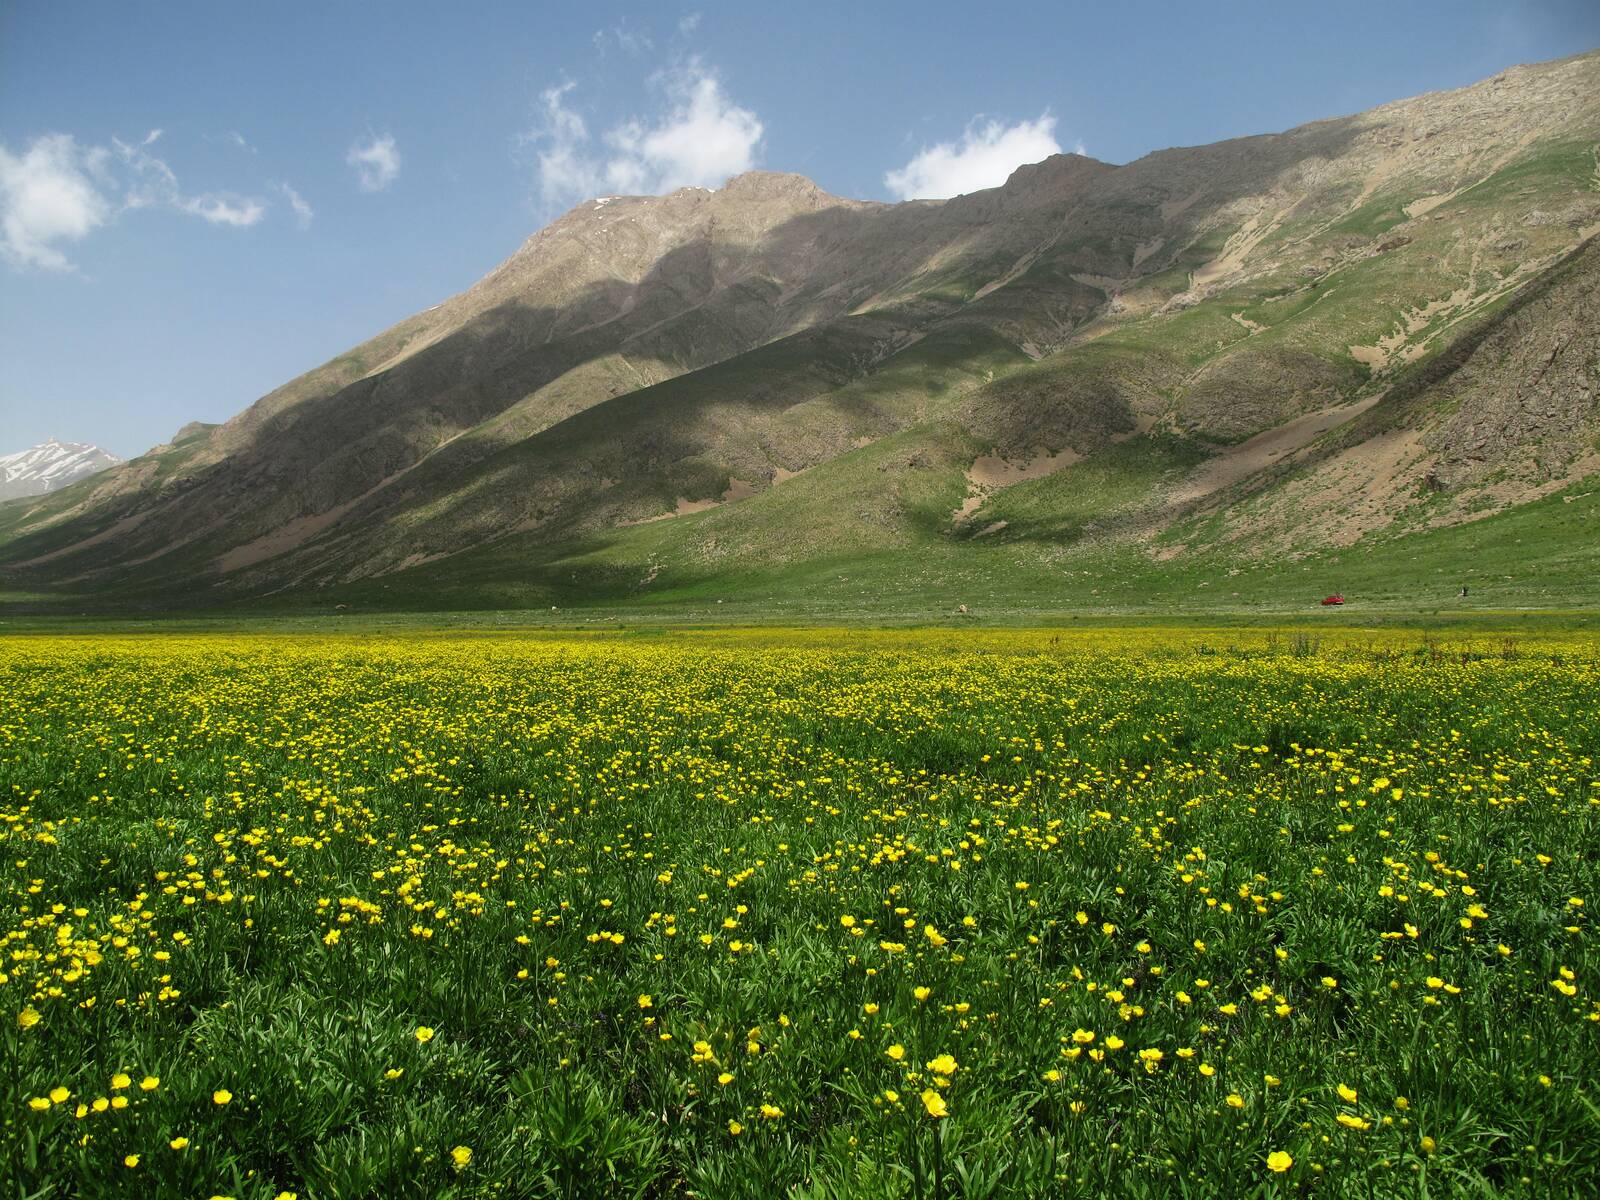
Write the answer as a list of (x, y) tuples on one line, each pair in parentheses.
[(734, 914)]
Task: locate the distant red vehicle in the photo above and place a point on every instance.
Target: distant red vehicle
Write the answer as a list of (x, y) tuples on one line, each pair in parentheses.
[(1333, 599)]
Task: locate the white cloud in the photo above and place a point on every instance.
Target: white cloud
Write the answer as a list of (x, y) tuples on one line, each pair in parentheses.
[(689, 22), (983, 158), (59, 191), (699, 139), (303, 211), (155, 185), (377, 164), (47, 197)]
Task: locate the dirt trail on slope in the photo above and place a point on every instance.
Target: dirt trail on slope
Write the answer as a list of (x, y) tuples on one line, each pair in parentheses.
[(293, 534), (1238, 248), (1248, 457), (126, 525), (738, 489)]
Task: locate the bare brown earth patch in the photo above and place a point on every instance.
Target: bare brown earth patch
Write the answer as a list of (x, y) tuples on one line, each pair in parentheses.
[(967, 507), (990, 473), (738, 489)]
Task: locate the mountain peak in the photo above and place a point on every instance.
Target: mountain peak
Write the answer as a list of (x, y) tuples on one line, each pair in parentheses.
[(768, 183), (1052, 175)]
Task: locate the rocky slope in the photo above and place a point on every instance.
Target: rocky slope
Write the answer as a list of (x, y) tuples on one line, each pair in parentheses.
[(1509, 413), (49, 467), (1397, 304)]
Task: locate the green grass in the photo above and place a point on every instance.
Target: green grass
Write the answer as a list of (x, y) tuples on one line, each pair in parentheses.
[(472, 915), (1095, 493), (1553, 169), (1535, 557), (1377, 216)]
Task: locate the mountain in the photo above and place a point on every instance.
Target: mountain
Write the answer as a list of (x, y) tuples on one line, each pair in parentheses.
[(1360, 334), (50, 466)]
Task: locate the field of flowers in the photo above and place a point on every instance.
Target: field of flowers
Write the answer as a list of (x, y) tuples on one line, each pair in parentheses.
[(820, 914)]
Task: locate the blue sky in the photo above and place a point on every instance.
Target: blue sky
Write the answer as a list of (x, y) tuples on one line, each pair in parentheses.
[(323, 170)]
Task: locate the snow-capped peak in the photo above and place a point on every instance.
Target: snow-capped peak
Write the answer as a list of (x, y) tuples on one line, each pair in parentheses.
[(50, 465)]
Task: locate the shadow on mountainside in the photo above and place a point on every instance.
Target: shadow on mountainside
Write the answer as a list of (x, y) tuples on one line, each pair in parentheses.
[(409, 457)]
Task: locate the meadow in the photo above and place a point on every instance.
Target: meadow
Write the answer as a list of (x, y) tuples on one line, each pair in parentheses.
[(815, 913)]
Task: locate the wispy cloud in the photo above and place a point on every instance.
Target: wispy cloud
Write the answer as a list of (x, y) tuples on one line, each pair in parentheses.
[(699, 137), (48, 197), (377, 163), (154, 185), (625, 37), (984, 157), (567, 169), (240, 211), (303, 212)]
